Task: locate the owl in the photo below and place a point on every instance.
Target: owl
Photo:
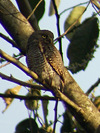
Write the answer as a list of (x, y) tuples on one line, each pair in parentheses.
[(44, 59)]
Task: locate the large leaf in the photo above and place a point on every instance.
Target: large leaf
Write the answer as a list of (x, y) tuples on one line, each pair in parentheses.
[(83, 45)]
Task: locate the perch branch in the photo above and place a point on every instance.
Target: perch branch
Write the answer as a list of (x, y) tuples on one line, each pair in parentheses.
[(35, 76)]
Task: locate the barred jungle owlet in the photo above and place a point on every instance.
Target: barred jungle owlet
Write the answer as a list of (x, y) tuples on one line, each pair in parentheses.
[(44, 59)]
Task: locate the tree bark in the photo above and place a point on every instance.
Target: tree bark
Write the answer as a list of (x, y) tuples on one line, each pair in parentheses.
[(89, 119), (20, 30)]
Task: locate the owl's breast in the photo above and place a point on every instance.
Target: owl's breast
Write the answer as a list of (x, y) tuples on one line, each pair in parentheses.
[(38, 63)]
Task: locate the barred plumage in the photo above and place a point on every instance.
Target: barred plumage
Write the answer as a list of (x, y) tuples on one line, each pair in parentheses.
[(44, 59)]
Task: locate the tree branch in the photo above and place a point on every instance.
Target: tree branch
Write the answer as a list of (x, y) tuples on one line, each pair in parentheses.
[(20, 97), (4, 64), (15, 24), (12, 79), (8, 40), (93, 86)]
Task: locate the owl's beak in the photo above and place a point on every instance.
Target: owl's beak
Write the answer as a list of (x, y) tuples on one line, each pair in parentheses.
[(51, 40)]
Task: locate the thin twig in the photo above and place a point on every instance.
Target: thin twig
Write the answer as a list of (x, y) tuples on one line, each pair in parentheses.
[(12, 79), (93, 87), (5, 64), (40, 118), (34, 9), (72, 7), (30, 121), (9, 40), (9, 62)]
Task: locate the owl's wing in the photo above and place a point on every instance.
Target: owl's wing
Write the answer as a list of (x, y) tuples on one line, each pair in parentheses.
[(54, 59)]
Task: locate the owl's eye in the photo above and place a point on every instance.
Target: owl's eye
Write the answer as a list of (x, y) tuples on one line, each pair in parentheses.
[(44, 36)]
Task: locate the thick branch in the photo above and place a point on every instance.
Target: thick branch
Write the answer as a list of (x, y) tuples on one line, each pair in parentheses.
[(15, 24), (90, 119)]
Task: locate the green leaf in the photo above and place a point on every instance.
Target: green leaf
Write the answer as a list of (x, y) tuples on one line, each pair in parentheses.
[(83, 45)]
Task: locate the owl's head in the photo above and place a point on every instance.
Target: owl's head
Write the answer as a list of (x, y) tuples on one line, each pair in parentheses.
[(45, 36)]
